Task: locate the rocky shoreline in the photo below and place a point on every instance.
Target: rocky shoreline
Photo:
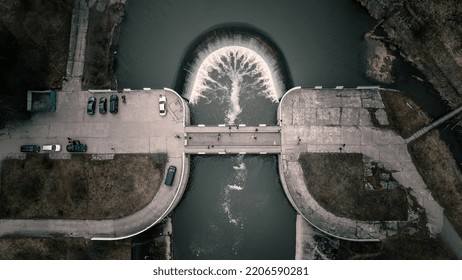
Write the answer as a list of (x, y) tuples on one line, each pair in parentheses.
[(428, 34), (380, 59)]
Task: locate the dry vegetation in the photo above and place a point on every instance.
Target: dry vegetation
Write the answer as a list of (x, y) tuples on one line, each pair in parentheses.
[(441, 174), (101, 45), (63, 249), (428, 34), (430, 155), (344, 193), (39, 187), (399, 247), (34, 43), (404, 115)]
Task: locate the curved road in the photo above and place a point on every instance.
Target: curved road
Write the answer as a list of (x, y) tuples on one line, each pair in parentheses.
[(163, 202)]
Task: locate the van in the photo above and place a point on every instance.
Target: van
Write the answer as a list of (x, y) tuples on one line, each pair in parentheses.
[(170, 175)]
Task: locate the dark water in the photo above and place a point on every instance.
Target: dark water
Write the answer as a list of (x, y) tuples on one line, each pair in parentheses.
[(234, 207), (321, 40)]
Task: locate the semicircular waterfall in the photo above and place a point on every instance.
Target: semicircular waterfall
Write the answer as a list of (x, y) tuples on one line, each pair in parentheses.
[(234, 78), (234, 206)]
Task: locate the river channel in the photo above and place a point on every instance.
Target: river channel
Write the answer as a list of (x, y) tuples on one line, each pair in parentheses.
[(234, 206)]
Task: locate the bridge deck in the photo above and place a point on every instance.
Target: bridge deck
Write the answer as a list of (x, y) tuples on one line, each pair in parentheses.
[(232, 140)]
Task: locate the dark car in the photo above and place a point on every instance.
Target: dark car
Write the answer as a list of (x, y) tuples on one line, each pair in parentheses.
[(30, 148), (102, 105), (91, 105), (76, 147), (170, 175), (114, 104)]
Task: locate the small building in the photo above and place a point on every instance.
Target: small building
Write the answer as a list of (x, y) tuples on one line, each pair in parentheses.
[(44, 101)]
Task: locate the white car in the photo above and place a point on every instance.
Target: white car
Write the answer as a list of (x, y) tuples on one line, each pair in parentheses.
[(162, 105), (51, 148)]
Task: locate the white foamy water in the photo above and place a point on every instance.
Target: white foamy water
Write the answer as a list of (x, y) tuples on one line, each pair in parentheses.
[(235, 187), (241, 171), (232, 191), (241, 166), (226, 207), (229, 67)]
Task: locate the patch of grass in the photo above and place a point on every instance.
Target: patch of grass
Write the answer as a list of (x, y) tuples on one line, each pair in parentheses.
[(159, 161), (404, 115), (63, 249), (82, 188), (430, 155), (336, 181), (101, 39), (440, 173), (34, 44), (399, 247)]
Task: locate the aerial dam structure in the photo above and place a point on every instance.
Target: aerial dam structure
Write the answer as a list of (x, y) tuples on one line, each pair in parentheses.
[(309, 121)]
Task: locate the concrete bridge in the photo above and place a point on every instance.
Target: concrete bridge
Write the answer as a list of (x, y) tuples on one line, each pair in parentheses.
[(232, 139)]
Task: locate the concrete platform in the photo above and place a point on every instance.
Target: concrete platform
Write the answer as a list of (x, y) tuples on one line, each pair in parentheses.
[(340, 120)]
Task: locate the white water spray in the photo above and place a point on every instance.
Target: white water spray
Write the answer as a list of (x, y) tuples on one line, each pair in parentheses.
[(229, 67)]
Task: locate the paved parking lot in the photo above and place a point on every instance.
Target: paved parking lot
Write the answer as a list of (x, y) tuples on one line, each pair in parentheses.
[(136, 128)]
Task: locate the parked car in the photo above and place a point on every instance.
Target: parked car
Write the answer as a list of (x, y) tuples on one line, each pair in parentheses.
[(76, 147), (102, 105), (30, 148), (114, 104), (51, 148), (91, 105), (170, 175), (162, 105)]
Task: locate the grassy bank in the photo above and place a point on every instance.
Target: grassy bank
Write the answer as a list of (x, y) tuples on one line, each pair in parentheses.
[(82, 188), (337, 182), (103, 25), (63, 249), (430, 155), (34, 44)]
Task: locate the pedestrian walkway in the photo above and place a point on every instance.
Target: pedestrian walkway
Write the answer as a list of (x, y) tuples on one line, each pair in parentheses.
[(232, 139)]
